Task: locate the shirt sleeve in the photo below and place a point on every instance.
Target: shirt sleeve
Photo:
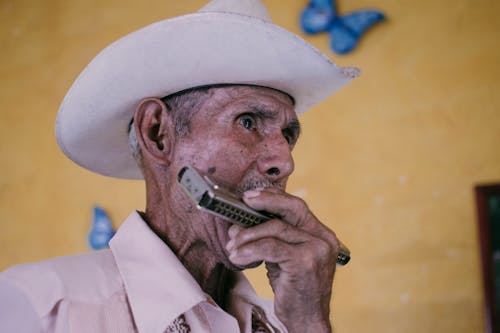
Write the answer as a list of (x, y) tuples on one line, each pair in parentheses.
[(16, 311)]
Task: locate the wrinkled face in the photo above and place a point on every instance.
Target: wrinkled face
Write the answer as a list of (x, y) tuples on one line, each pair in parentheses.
[(243, 137)]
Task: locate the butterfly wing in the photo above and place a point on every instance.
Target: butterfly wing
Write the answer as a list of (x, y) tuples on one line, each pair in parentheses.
[(101, 231), (342, 40), (346, 31), (317, 16), (359, 21)]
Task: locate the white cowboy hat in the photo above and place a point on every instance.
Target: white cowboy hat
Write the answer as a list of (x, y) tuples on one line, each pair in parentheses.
[(227, 41)]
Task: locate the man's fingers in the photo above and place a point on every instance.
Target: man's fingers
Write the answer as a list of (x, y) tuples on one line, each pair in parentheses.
[(278, 244), (292, 258), (269, 249), (273, 229), (292, 209)]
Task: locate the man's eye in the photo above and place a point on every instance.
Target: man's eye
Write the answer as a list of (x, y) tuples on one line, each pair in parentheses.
[(247, 122), (289, 137)]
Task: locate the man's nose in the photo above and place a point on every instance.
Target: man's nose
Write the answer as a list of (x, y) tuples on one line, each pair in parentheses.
[(275, 160)]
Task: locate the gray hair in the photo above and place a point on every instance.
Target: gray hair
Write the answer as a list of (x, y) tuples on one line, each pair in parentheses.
[(182, 106)]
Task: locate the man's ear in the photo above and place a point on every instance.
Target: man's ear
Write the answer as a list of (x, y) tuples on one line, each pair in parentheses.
[(155, 130)]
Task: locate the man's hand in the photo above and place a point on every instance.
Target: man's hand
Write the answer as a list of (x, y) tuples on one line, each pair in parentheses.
[(300, 255)]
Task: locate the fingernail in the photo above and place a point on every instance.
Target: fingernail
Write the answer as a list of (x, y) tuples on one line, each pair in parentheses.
[(252, 193), (233, 231)]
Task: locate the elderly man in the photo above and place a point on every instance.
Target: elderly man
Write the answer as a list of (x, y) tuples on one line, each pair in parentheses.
[(234, 84)]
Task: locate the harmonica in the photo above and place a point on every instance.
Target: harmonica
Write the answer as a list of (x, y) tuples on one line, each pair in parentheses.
[(220, 201)]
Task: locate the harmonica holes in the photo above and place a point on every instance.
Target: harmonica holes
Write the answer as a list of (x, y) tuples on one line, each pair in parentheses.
[(236, 214)]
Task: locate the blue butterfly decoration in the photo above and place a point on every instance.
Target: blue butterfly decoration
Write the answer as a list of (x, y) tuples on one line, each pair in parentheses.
[(345, 31), (101, 231)]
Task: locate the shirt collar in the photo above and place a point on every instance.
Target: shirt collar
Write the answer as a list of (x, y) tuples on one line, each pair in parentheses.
[(152, 274)]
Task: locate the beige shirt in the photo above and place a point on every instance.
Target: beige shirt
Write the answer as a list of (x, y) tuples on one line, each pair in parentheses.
[(138, 285)]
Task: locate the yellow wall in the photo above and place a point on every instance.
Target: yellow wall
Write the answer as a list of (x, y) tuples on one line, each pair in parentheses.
[(389, 162)]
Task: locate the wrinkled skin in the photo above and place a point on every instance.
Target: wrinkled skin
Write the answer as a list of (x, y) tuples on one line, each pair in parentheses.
[(243, 137)]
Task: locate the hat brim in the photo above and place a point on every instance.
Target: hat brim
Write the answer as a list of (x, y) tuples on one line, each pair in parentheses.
[(175, 54)]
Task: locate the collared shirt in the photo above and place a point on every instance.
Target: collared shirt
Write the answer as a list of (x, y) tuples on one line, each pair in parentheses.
[(138, 285)]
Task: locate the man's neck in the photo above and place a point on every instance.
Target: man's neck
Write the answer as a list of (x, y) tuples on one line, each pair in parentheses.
[(194, 254)]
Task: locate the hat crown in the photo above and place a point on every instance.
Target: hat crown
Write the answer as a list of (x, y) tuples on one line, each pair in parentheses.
[(228, 41), (254, 8)]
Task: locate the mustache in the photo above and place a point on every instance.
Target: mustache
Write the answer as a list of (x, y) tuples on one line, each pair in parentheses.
[(253, 184)]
